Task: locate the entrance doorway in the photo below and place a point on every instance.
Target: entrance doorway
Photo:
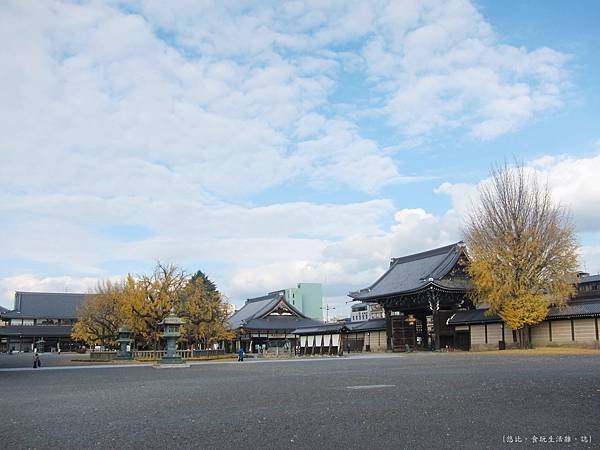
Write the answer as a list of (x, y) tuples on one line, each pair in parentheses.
[(403, 335), (462, 340)]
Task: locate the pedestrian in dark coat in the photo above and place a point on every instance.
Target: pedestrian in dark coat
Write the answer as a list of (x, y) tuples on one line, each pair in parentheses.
[(36, 360), (241, 355)]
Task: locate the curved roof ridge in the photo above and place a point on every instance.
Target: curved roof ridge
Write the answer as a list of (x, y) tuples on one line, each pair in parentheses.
[(266, 308), (448, 263), (281, 299), (428, 253), (412, 272), (409, 258), (258, 310)]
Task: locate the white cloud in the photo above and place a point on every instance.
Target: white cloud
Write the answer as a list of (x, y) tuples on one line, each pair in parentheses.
[(574, 183), (228, 100), (172, 115), (444, 68), (590, 258), (214, 123), (265, 248), (354, 261)]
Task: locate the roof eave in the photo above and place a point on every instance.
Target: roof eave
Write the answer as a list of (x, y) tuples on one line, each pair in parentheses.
[(425, 287)]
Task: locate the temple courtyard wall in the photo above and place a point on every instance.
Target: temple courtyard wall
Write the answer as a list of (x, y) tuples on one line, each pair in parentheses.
[(576, 333)]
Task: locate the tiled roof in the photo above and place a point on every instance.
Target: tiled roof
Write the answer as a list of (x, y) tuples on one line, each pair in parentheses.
[(355, 306), (251, 310), (589, 279), (46, 305), (579, 309), (322, 329), (280, 323), (472, 316), (414, 272), (355, 327), (368, 325), (254, 315), (573, 309)]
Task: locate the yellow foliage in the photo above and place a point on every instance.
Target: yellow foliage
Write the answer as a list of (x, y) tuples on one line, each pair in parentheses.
[(142, 302), (522, 249), (205, 313), (100, 316)]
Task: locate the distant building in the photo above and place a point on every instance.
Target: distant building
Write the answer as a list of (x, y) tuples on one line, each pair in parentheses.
[(366, 311), (267, 323), (305, 297), (39, 319)]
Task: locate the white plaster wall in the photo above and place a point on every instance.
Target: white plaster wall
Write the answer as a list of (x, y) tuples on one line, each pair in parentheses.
[(561, 331), (585, 330)]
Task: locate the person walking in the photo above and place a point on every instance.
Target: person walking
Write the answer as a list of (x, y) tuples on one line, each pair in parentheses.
[(241, 355), (36, 359)]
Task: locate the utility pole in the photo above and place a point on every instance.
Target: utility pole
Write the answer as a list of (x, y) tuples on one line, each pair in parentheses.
[(327, 308)]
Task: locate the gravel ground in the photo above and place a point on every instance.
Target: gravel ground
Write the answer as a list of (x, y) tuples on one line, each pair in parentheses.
[(409, 401)]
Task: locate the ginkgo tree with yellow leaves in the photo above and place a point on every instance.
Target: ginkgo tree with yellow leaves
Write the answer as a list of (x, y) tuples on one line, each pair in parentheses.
[(101, 315), (522, 249), (142, 302), (204, 310)]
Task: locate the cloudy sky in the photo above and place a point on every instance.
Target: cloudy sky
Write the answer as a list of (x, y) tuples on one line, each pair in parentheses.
[(270, 143)]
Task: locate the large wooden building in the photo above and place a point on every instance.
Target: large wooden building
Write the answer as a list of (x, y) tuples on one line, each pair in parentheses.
[(40, 319), (419, 293), (267, 323), (426, 299)]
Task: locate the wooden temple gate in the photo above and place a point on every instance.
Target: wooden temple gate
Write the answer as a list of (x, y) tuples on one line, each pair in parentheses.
[(418, 321), (404, 336)]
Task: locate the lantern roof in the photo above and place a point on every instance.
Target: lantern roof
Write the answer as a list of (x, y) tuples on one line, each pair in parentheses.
[(172, 319)]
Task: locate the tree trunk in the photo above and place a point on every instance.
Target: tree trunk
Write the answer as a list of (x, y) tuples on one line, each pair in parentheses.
[(524, 342), (526, 335), (521, 338)]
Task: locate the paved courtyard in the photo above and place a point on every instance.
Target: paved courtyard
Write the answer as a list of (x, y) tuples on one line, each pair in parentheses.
[(411, 401), (25, 360)]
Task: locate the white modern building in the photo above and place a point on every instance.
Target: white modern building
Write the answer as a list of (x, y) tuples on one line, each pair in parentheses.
[(366, 311)]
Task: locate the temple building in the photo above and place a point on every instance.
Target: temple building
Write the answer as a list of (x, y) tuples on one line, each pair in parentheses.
[(342, 337), (426, 301), (574, 325), (39, 319), (419, 293), (267, 323)]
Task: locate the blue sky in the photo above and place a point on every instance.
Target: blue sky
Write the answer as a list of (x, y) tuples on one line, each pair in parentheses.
[(280, 142)]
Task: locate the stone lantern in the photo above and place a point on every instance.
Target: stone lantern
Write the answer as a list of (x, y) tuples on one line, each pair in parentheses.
[(124, 340), (171, 325), (40, 345)]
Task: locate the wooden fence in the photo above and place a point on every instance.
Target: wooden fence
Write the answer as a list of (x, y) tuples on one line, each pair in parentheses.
[(152, 355)]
